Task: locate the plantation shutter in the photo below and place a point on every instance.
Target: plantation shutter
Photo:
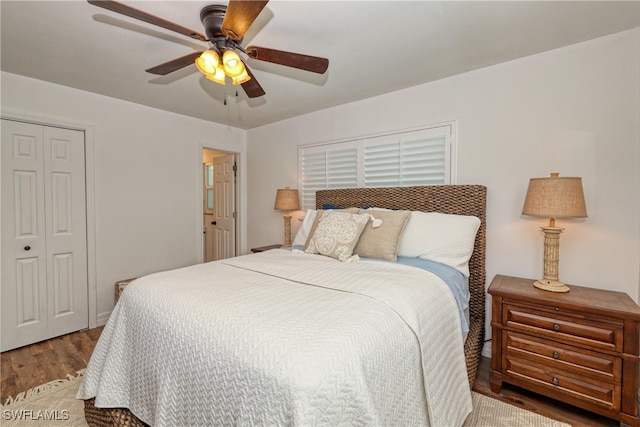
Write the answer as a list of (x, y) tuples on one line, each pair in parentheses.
[(419, 157), (327, 166), (410, 158)]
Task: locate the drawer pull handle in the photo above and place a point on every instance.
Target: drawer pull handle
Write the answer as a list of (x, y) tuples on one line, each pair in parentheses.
[(556, 327), (554, 381), (556, 355)]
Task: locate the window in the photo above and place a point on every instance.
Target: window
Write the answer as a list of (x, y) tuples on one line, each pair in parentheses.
[(417, 157), (208, 188)]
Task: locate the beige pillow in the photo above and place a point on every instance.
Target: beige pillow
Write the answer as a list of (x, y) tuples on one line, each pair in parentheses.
[(337, 234), (382, 242), (319, 213)]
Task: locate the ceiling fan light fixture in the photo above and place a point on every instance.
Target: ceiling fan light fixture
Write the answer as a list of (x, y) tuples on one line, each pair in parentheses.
[(217, 76), (208, 61), (242, 78), (225, 27), (233, 66)]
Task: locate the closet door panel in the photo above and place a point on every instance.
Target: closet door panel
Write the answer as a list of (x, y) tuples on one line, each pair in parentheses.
[(24, 287), (66, 230)]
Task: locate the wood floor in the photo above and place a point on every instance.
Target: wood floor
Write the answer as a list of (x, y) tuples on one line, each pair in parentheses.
[(39, 363), (30, 366)]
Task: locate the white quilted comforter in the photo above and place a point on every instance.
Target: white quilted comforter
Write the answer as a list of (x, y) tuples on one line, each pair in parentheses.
[(278, 339)]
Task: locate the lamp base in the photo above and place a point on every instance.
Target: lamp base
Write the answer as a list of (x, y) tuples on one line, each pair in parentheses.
[(287, 231), (551, 285)]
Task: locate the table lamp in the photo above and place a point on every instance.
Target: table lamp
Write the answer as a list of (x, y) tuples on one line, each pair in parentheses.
[(554, 197), (287, 200)]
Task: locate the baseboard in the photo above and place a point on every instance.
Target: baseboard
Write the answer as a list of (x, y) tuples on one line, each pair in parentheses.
[(102, 318)]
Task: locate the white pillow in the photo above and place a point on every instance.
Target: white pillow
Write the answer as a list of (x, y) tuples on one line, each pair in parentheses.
[(305, 228), (444, 238)]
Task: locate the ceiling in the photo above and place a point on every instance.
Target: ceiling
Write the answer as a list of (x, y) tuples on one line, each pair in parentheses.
[(374, 47)]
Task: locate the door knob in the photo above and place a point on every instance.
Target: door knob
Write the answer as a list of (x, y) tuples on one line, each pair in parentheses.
[(27, 248), (214, 222)]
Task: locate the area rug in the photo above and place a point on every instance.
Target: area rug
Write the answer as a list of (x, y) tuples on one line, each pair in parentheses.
[(488, 412), (54, 404)]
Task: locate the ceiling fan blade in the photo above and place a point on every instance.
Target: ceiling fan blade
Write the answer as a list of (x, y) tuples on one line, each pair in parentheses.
[(252, 88), (239, 17), (174, 65), (132, 12), (314, 64)]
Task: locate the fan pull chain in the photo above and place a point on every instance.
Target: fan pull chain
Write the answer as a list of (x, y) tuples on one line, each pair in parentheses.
[(225, 99)]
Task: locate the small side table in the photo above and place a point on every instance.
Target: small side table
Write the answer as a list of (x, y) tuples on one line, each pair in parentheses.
[(581, 347), (265, 248), (120, 285)]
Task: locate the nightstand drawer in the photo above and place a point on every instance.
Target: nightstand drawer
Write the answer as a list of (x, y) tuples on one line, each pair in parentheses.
[(565, 327), (560, 357), (573, 385)]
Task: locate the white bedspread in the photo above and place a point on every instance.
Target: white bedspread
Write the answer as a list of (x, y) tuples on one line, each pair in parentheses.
[(233, 343)]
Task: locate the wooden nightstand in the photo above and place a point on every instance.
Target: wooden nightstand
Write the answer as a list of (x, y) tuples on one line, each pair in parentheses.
[(581, 347), (265, 248)]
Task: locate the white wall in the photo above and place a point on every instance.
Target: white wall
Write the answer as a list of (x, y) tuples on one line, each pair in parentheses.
[(574, 111), (147, 172)]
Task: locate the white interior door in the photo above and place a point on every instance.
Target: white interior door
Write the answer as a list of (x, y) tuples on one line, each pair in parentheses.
[(44, 257), (224, 206)]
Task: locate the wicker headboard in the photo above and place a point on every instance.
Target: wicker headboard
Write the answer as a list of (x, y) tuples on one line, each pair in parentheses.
[(449, 199)]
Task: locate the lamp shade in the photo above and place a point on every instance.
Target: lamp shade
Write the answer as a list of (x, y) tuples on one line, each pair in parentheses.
[(208, 61), (217, 76), (233, 66), (287, 200), (555, 197), (242, 78)]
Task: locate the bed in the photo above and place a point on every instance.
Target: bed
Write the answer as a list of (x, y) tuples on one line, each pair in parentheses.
[(410, 373)]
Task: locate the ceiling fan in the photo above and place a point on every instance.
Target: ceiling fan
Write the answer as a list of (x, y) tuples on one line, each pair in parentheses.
[(224, 27)]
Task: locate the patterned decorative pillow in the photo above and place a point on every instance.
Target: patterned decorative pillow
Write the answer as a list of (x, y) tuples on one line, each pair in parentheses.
[(382, 242), (336, 234), (318, 216)]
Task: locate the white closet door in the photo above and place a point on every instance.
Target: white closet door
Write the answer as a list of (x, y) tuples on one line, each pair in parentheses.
[(44, 264)]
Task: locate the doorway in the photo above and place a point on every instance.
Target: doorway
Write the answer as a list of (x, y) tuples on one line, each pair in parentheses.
[(219, 204)]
